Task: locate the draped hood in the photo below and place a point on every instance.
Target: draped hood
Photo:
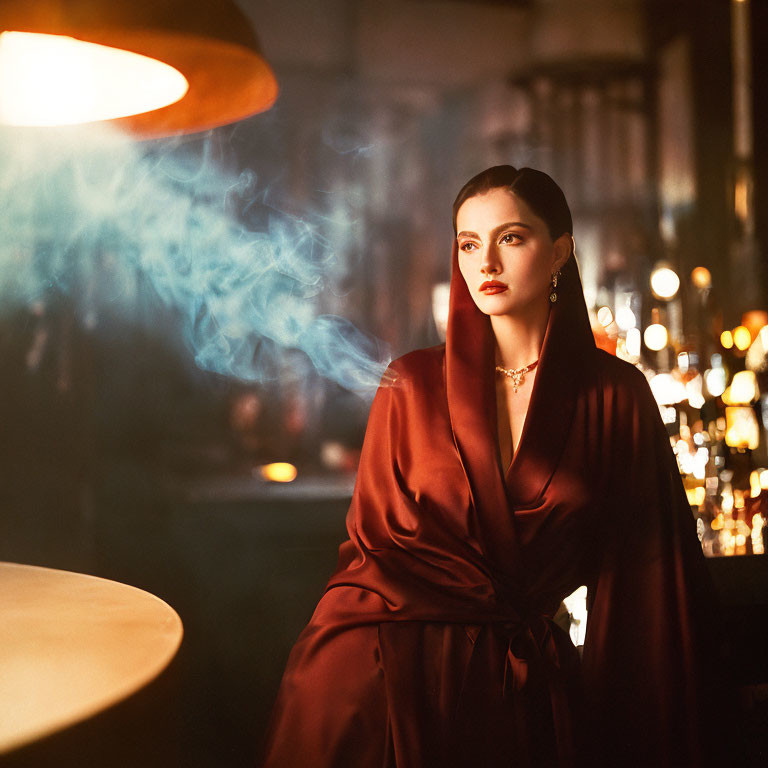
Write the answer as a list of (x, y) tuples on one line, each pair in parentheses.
[(566, 363)]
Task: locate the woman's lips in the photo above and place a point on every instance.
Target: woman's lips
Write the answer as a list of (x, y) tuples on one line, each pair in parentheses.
[(492, 286)]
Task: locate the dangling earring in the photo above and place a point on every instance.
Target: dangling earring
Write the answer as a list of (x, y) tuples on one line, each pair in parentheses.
[(553, 292)]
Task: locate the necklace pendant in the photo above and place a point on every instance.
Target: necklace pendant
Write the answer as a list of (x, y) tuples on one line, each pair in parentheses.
[(516, 374)]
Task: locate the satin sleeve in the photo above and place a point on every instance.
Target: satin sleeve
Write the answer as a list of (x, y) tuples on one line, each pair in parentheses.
[(653, 660), (380, 491)]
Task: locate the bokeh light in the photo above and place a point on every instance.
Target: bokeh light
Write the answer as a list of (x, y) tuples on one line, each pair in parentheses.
[(656, 337), (625, 318), (605, 316), (701, 278), (743, 389), (278, 472), (742, 338), (664, 282)]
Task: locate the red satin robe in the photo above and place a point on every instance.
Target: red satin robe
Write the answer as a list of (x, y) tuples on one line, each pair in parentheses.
[(434, 643)]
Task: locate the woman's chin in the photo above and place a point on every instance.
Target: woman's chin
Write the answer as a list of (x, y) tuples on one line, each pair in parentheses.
[(497, 306), (490, 306)]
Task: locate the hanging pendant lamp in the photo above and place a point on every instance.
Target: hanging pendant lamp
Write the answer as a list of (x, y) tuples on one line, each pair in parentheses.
[(152, 67)]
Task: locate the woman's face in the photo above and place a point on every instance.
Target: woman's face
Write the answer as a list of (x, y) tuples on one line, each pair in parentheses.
[(501, 240)]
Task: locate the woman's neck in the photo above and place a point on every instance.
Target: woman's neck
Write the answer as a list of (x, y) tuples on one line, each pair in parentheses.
[(519, 337)]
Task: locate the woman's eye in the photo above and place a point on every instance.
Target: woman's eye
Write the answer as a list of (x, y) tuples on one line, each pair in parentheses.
[(467, 246), (509, 237)]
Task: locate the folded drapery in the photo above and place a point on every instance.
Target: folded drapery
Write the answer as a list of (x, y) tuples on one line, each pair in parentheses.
[(434, 642)]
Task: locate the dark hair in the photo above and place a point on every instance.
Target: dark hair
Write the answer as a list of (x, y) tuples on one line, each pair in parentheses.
[(536, 188)]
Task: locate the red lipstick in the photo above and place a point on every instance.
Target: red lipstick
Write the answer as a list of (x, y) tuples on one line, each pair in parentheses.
[(493, 286)]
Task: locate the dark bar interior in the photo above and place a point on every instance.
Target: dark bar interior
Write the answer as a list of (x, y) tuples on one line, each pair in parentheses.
[(197, 303)]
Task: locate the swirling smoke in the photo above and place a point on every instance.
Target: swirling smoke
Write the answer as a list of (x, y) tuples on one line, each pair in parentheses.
[(92, 214)]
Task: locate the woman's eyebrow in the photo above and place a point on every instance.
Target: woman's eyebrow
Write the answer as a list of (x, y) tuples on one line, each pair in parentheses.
[(507, 224)]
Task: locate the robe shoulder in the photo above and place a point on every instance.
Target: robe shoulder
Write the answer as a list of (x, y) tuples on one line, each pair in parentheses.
[(626, 390), (419, 367), (409, 385), (620, 373)]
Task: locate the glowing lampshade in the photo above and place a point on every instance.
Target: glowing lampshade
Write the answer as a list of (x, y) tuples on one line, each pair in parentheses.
[(58, 80), (153, 68)]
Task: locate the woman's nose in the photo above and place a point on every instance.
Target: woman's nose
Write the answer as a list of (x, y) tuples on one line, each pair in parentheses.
[(489, 264)]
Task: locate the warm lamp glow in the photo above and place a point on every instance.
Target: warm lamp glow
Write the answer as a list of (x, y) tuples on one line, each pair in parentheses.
[(278, 472), (149, 68), (655, 337), (50, 80), (726, 339)]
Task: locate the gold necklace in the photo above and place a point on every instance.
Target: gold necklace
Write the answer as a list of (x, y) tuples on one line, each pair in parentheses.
[(517, 374)]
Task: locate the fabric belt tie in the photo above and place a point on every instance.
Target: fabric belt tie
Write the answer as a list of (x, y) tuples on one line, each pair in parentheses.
[(540, 642)]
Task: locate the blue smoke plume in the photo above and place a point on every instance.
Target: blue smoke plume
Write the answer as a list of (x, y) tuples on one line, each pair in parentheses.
[(94, 215)]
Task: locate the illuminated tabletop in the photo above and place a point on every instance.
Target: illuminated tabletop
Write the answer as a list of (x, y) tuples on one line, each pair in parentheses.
[(72, 645)]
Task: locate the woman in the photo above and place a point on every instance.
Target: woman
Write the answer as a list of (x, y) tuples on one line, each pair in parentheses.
[(500, 471)]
